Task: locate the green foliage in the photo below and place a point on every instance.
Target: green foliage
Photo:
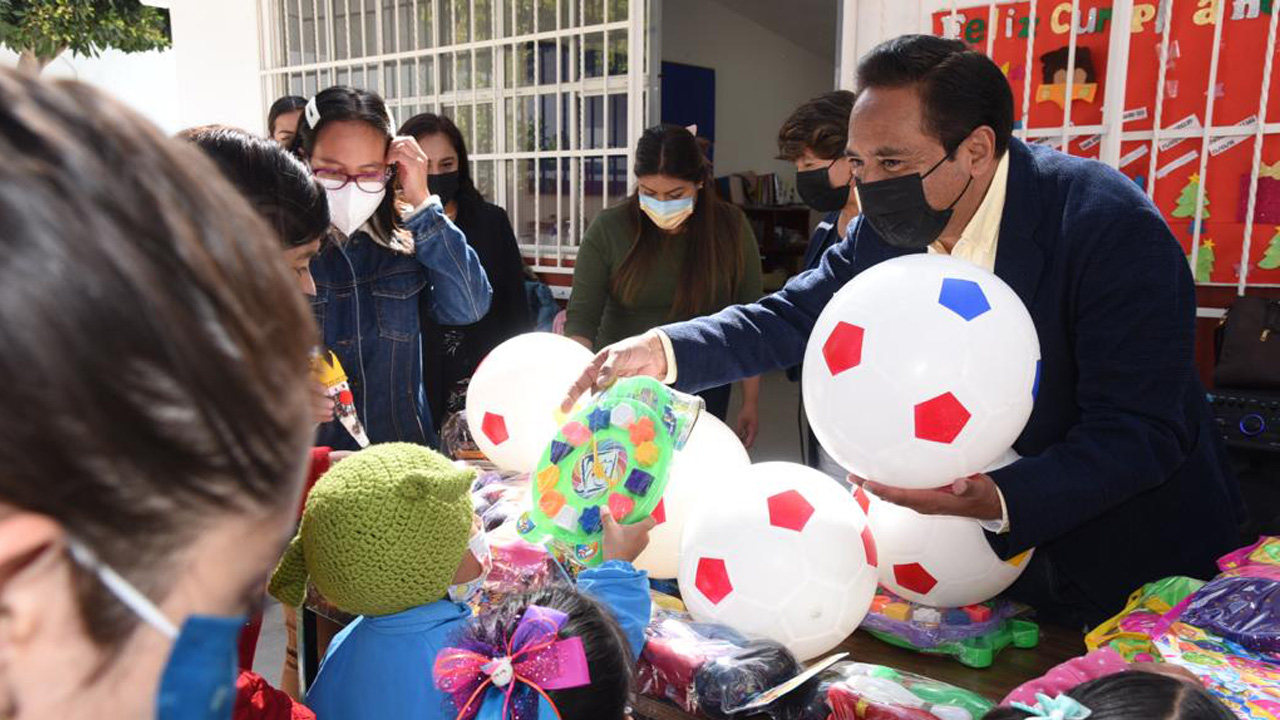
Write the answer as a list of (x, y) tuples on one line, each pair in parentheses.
[(46, 28)]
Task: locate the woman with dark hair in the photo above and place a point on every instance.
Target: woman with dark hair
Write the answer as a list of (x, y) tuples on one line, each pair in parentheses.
[(397, 245), (282, 119), (1161, 692), (673, 251), (451, 353), (157, 429)]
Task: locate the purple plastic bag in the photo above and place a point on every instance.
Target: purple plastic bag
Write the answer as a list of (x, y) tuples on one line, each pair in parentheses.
[(1242, 605)]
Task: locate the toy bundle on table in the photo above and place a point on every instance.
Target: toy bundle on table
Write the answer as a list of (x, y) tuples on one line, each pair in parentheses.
[(940, 359), (1226, 631)]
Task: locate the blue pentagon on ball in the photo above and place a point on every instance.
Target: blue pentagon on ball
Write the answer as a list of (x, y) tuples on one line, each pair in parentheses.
[(639, 482), (963, 297), (599, 419), (559, 451), (590, 520)]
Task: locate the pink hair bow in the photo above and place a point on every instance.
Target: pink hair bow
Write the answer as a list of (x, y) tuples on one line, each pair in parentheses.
[(534, 656)]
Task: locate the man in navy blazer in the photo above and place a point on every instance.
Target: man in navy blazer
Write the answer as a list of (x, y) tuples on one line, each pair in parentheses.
[(1123, 478)]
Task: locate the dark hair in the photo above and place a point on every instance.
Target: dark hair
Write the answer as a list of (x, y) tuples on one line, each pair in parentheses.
[(428, 124), (278, 185), (713, 257), (161, 344), (283, 106), (820, 126), (1138, 695), (608, 652), (960, 90), (347, 104)]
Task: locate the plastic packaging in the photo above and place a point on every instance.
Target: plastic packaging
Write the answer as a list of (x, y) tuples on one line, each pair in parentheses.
[(1246, 682), (1241, 605), (456, 441), (851, 690), (1130, 631), (973, 635)]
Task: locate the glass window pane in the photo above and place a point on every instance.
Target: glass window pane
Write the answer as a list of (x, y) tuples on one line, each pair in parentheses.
[(389, 89), (370, 27), (568, 199), (547, 122), (592, 11), (388, 27), (524, 17), (484, 19), (427, 75), (525, 231), (484, 68), (593, 123), (294, 23), (548, 199), (463, 119), (618, 10), (592, 190), (449, 111), (404, 24), (322, 27), (508, 64), (296, 86), (617, 120), (426, 24), (445, 22), (308, 31), (464, 70), (617, 53), (546, 15), (566, 120), (343, 76), (524, 64), (462, 21), (617, 179), (357, 78), (482, 176), (341, 42), (446, 72), (525, 129), (569, 59), (484, 129), (510, 117), (355, 30), (568, 14), (408, 80), (546, 62), (594, 43), (371, 79)]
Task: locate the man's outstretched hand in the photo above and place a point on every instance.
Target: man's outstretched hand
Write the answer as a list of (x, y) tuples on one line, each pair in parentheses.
[(639, 356), (972, 497)]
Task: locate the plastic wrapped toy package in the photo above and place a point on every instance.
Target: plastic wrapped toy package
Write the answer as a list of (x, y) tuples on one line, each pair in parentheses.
[(615, 452), (1241, 605), (710, 669), (1130, 631), (973, 635), (1244, 681), (499, 499), (857, 691)]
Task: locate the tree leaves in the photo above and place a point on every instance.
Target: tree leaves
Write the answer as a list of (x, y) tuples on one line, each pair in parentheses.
[(47, 28)]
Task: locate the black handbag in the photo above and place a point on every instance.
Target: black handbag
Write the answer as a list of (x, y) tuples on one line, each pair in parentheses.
[(1248, 345)]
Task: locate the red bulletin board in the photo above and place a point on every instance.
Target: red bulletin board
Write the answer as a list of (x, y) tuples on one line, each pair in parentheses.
[(1177, 162)]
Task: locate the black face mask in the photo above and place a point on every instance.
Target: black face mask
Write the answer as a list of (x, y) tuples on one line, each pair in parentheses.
[(816, 191), (899, 212), (445, 185)]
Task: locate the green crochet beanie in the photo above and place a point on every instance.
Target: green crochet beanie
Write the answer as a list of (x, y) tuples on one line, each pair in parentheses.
[(382, 532)]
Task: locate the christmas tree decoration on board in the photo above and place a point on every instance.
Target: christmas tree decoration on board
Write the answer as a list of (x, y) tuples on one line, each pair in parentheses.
[(1271, 258), (1204, 261), (1187, 199)]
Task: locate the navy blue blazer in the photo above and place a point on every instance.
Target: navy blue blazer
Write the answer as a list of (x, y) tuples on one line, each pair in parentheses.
[(1124, 480)]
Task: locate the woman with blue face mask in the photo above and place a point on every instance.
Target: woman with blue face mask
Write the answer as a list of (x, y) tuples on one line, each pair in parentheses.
[(156, 418), (672, 251)]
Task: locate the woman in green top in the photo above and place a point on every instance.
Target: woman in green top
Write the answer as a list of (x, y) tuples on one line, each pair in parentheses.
[(673, 251)]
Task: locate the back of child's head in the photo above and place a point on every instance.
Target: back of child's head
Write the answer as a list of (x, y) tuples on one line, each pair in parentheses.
[(382, 532), (1136, 695), (605, 696)]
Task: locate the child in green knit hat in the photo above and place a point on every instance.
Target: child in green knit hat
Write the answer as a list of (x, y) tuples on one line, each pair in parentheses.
[(389, 534)]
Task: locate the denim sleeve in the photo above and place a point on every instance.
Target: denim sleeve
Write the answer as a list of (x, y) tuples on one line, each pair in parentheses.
[(625, 591), (460, 290)]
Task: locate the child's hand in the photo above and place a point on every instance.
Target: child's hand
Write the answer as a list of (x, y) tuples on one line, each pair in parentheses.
[(624, 542)]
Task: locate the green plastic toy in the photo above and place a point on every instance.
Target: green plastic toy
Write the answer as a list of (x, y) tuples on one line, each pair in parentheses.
[(616, 453), (979, 651)]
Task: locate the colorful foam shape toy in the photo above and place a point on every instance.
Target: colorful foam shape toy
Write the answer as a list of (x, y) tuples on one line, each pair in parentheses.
[(615, 452)]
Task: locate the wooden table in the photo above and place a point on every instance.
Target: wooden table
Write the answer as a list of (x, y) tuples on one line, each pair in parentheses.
[(1012, 667)]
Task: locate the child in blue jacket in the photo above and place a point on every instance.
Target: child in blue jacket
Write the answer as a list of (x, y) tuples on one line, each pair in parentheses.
[(389, 534)]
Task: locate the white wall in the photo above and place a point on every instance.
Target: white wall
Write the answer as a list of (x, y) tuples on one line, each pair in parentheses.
[(147, 82), (760, 78), (209, 75), (874, 21)]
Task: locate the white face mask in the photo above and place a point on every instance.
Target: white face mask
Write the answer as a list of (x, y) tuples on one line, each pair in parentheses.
[(350, 207), (467, 591)]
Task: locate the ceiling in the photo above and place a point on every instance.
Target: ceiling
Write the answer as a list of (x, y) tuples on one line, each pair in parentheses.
[(808, 23)]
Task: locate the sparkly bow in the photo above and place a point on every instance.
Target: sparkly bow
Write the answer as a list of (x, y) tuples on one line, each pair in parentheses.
[(1062, 707), (534, 656)]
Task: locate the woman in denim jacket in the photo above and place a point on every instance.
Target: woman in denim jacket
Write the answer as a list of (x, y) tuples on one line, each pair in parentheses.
[(398, 244)]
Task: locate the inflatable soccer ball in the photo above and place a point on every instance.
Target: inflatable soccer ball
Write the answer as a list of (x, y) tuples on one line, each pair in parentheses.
[(784, 553), (921, 370), (938, 560)]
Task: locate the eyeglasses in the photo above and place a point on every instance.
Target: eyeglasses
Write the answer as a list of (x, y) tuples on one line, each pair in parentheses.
[(334, 179)]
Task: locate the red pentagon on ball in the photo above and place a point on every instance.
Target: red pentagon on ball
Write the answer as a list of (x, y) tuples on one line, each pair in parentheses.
[(941, 419), (843, 349), (712, 580), (863, 500), (914, 577), (660, 512), (789, 510), (869, 547), (494, 427)]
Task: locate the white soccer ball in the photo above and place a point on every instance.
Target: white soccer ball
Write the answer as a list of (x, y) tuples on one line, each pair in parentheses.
[(513, 400), (784, 553), (938, 560), (713, 456), (921, 370)]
